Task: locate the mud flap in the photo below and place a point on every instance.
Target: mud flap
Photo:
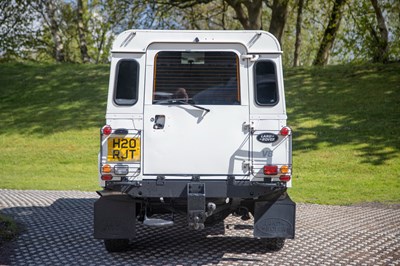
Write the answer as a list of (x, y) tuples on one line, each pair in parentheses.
[(275, 219), (114, 217)]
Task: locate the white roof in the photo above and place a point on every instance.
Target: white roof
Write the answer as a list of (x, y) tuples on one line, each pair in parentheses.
[(137, 41)]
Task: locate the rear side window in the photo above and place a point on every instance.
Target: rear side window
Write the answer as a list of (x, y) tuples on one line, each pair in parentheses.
[(266, 89), (127, 82), (209, 78)]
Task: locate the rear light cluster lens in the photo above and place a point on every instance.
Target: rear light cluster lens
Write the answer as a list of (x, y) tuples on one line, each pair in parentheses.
[(284, 169), (285, 131), (270, 170), (274, 170), (121, 169), (106, 177), (106, 168), (285, 178), (106, 130)]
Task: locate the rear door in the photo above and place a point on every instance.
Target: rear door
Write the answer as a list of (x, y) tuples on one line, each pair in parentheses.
[(196, 111)]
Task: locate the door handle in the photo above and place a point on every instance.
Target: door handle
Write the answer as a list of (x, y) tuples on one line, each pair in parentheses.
[(159, 122)]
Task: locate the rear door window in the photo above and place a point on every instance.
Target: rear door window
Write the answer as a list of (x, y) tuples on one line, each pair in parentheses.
[(208, 78), (266, 89), (126, 82)]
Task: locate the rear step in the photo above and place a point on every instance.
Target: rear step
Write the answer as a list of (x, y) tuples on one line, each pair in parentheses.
[(157, 222)]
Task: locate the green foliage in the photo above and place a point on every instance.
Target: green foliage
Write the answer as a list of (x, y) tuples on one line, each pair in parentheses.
[(8, 229), (25, 30), (216, 15), (16, 29), (312, 31), (345, 121), (356, 43)]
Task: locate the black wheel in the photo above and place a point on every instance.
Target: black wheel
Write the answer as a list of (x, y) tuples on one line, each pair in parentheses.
[(116, 245), (273, 244)]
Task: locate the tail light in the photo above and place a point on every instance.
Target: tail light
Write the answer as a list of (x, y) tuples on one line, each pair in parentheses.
[(106, 177), (285, 178), (285, 131), (106, 130), (270, 170)]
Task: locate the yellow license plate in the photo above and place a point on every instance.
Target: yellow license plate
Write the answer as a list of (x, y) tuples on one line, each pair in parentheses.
[(123, 149)]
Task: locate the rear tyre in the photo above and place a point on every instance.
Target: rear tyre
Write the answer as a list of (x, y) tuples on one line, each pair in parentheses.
[(273, 244), (116, 245)]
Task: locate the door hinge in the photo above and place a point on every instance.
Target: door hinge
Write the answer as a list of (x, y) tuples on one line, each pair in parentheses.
[(251, 57), (248, 127), (247, 166)]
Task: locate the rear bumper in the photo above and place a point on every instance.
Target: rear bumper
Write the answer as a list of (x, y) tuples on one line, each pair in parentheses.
[(178, 188)]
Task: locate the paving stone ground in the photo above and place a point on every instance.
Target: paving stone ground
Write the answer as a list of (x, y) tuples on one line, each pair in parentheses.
[(59, 228)]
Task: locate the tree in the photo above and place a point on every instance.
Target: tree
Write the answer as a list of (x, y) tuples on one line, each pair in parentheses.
[(82, 32), (297, 45), (278, 18), (381, 53), (17, 33), (110, 17), (248, 12), (330, 33), (361, 39), (215, 15), (51, 18)]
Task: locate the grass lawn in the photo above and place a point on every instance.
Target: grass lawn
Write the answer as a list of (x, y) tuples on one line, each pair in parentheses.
[(51, 115), (346, 122)]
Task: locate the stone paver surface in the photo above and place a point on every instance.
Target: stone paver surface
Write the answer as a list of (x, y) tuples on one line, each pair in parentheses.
[(59, 228)]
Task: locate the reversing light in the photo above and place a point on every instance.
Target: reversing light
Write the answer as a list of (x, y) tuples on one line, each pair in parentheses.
[(121, 169), (106, 168), (106, 130), (285, 178), (285, 131), (270, 170), (106, 177)]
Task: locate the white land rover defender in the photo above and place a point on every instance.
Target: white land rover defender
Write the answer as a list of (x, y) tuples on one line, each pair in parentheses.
[(195, 124)]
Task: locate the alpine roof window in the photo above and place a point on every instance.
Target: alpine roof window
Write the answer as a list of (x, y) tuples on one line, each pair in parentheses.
[(126, 82), (207, 78), (266, 89)]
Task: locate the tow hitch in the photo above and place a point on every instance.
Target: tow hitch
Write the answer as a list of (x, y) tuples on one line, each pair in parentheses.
[(196, 198), (197, 212)]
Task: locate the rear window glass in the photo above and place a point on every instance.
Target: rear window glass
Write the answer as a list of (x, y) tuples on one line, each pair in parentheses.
[(266, 84), (127, 82), (209, 78)]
